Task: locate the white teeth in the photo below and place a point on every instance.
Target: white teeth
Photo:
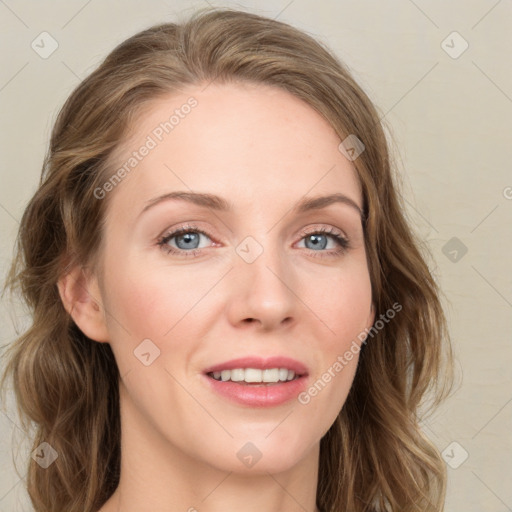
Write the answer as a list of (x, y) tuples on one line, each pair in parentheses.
[(252, 375), (255, 375), (237, 375), (271, 375)]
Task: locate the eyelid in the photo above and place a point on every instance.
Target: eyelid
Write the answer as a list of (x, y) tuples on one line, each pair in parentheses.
[(171, 233), (322, 228), (340, 238), (191, 226)]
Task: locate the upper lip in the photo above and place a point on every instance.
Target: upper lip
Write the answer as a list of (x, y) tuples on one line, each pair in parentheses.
[(260, 363)]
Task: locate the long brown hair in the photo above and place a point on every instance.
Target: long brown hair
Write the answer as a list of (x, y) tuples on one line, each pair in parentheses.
[(375, 456)]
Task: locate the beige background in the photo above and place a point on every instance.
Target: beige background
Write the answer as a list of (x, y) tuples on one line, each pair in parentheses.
[(451, 121)]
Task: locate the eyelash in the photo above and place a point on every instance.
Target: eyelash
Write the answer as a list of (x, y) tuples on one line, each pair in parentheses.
[(343, 242)]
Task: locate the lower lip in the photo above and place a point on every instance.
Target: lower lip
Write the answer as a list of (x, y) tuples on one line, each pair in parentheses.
[(253, 395)]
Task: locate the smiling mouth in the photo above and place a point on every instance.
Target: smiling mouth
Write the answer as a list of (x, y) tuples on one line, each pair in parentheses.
[(255, 376)]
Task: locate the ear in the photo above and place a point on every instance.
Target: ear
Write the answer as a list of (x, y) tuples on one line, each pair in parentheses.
[(80, 295)]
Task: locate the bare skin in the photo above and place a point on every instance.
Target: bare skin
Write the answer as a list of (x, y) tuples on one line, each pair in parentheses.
[(263, 150)]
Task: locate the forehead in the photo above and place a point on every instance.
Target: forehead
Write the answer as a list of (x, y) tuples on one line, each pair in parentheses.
[(248, 142)]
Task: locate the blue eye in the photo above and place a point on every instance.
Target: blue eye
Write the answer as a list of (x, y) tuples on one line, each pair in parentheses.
[(187, 239), (320, 239)]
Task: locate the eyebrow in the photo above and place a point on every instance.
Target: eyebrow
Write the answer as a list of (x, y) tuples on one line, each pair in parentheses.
[(218, 203)]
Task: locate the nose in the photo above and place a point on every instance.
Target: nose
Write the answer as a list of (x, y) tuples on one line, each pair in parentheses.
[(262, 292)]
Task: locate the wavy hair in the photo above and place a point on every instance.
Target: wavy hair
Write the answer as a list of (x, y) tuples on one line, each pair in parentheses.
[(374, 457)]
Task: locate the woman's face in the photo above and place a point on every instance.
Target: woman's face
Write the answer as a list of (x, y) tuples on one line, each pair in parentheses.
[(253, 276)]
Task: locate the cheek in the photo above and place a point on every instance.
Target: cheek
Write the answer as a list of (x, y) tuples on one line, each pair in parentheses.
[(164, 302), (343, 304), (153, 302)]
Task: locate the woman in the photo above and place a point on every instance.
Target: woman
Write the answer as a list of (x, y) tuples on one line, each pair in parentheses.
[(229, 307)]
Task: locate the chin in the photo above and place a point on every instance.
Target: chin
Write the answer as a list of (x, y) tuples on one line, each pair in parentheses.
[(253, 455)]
